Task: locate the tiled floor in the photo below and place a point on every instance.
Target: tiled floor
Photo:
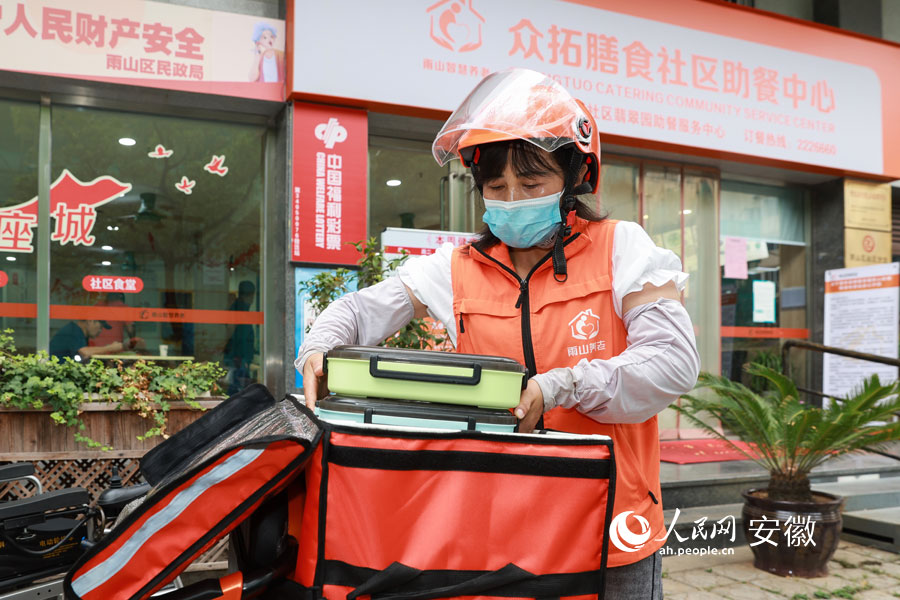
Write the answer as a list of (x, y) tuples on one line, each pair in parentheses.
[(856, 572)]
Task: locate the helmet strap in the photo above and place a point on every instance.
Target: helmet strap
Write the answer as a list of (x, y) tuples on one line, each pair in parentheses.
[(566, 209)]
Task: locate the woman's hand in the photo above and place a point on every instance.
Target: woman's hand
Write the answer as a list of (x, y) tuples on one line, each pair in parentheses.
[(530, 408), (315, 381)]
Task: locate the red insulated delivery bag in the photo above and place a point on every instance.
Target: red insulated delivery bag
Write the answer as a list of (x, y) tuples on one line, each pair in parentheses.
[(324, 510), (225, 466), (410, 515)]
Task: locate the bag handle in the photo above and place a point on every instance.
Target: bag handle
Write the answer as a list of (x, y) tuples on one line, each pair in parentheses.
[(380, 585), (473, 379)]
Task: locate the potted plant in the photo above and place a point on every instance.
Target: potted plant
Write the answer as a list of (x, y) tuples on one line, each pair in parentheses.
[(792, 529)]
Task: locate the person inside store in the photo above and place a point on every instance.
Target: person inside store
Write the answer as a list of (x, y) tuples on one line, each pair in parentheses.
[(117, 329), (591, 306), (72, 340), (240, 348)]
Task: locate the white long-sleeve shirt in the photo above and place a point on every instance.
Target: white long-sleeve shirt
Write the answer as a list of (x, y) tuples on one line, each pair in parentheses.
[(660, 363)]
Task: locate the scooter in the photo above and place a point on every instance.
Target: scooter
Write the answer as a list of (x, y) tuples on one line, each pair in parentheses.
[(42, 535)]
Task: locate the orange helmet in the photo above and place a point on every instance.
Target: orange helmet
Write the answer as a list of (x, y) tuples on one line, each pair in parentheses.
[(520, 104)]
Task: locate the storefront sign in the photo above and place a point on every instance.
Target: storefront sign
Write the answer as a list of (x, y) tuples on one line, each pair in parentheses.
[(151, 44), (863, 247), (73, 207), (395, 241), (663, 72), (861, 307), (112, 283), (328, 210), (867, 205)]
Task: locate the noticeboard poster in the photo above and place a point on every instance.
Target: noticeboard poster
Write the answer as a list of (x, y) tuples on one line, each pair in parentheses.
[(861, 314)]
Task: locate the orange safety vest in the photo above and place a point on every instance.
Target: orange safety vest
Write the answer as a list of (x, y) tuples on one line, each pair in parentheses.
[(544, 325)]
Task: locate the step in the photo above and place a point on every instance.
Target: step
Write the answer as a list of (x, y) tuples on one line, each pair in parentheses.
[(709, 484), (871, 517), (864, 492), (878, 527)]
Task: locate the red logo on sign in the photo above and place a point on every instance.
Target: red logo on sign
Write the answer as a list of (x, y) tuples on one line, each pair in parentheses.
[(112, 283), (73, 206), (3, 278), (868, 243), (455, 25), (331, 133)]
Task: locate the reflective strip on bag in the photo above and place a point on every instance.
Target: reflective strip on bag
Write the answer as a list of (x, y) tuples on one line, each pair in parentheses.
[(118, 560)]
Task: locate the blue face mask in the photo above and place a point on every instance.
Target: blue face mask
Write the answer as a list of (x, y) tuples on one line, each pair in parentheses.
[(523, 223)]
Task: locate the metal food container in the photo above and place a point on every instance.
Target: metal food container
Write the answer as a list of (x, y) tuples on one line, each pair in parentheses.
[(444, 377), (397, 413)]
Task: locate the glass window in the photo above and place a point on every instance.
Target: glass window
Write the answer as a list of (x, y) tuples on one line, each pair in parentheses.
[(407, 188), (762, 212), (20, 124), (619, 190), (770, 304), (677, 206), (701, 261), (662, 205), (156, 231)]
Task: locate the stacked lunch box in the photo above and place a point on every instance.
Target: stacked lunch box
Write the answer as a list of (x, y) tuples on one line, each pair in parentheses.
[(420, 388)]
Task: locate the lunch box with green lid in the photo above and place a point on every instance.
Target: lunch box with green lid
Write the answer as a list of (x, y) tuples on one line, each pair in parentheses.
[(423, 375), (398, 413)]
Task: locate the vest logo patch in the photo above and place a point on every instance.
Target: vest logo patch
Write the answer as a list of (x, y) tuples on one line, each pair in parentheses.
[(585, 325)]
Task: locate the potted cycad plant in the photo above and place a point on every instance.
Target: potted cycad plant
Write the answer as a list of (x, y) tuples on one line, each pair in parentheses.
[(792, 529)]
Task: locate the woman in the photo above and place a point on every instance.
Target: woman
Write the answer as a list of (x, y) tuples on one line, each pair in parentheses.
[(591, 306), (268, 61)]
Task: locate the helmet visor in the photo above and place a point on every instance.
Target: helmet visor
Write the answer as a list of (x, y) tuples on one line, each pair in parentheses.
[(511, 104)]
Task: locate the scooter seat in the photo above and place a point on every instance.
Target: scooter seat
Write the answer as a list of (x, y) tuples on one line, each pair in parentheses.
[(42, 503)]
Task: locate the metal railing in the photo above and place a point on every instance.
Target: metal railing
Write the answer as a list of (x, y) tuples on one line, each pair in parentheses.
[(803, 344)]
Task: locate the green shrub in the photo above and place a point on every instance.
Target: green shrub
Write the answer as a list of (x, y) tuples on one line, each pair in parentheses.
[(29, 381)]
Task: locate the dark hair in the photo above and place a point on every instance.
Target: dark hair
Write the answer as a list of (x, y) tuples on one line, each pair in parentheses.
[(526, 159), (246, 288)]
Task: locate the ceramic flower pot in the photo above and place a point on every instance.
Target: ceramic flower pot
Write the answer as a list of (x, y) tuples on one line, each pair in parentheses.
[(789, 537)]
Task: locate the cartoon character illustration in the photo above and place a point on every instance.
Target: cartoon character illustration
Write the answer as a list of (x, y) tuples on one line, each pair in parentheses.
[(268, 61)]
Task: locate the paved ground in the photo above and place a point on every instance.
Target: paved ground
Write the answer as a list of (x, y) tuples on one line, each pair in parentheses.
[(856, 572)]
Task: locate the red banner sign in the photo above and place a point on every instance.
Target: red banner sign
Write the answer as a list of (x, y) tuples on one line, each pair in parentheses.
[(153, 44), (73, 206), (328, 209), (112, 283)]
